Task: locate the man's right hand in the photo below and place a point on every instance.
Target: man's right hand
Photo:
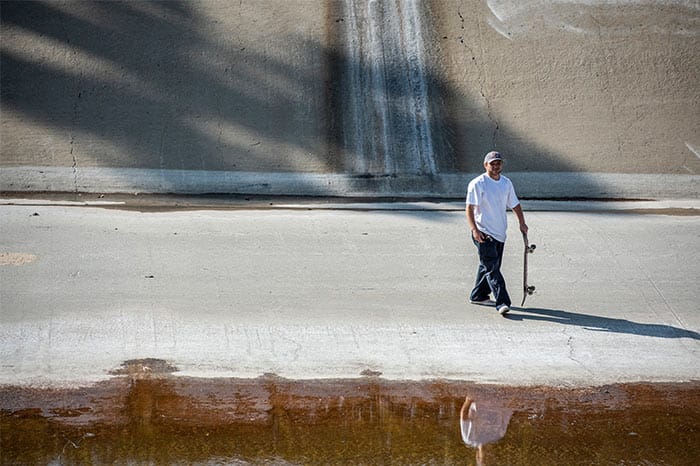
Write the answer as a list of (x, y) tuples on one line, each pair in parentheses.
[(478, 236)]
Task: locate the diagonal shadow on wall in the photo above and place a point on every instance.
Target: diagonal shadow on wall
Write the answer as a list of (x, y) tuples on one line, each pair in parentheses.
[(147, 85)]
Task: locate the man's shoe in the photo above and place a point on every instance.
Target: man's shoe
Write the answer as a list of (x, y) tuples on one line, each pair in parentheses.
[(483, 302), (503, 310)]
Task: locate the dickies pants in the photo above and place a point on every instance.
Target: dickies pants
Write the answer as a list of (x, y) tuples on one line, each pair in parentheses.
[(488, 276)]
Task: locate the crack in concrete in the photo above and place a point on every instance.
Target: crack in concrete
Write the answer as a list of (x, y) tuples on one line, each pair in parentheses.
[(74, 165), (608, 80), (74, 119), (570, 356), (74, 115), (481, 80)]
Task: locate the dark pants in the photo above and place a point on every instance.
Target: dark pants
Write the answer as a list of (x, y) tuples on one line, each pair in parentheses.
[(488, 276)]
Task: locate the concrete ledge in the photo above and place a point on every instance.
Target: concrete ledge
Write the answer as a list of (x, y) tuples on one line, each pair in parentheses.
[(449, 185), (163, 202)]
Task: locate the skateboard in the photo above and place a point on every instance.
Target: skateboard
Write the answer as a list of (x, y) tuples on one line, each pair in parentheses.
[(529, 249)]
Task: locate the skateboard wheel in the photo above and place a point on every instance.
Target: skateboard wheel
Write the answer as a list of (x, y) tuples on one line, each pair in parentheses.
[(530, 289)]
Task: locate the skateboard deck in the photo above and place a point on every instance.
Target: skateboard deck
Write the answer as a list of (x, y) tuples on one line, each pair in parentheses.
[(529, 249)]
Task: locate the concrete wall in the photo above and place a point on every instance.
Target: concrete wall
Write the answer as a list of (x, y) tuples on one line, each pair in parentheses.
[(594, 86), (253, 96), (216, 85)]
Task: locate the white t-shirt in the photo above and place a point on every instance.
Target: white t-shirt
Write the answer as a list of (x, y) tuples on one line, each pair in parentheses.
[(491, 199)]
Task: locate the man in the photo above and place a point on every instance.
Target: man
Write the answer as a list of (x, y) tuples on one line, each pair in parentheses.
[(488, 197)]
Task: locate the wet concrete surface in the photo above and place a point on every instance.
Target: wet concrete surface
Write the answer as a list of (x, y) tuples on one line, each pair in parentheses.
[(147, 415)]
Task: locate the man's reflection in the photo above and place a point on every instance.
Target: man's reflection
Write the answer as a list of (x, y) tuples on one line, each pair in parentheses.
[(483, 423)]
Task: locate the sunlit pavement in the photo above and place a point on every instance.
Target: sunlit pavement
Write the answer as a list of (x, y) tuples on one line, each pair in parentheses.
[(319, 290)]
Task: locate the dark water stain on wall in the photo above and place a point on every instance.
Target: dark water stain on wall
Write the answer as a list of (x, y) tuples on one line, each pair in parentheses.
[(155, 418)]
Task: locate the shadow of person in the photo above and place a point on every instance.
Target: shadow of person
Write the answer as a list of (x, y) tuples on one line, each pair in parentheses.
[(602, 324)]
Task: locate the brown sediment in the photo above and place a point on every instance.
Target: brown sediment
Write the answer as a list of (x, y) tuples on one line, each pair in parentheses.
[(162, 419)]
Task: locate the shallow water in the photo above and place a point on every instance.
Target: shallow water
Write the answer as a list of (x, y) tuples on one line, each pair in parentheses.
[(161, 419)]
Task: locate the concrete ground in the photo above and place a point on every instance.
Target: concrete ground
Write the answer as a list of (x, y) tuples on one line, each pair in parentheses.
[(335, 290)]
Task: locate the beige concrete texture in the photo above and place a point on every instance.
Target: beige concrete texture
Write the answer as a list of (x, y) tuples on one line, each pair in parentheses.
[(175, 85), (316, 291), (390, 97), (595, 86)]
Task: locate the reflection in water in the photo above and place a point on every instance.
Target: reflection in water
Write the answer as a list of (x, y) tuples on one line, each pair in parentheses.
[(483, 423), (146, 415)]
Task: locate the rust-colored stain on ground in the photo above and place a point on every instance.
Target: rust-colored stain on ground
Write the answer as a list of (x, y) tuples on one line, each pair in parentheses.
[(150, 416)]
